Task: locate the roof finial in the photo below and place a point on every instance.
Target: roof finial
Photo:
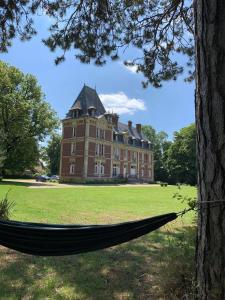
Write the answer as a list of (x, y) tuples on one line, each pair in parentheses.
[(84, 83)]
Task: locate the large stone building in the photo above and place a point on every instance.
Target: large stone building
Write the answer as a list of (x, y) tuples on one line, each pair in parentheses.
[(96, 145)]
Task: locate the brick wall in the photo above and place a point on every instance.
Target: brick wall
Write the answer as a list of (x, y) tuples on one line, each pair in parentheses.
[(66, 149), (107, 151), (79, 163), (91, 149), (65, 166), (92, 131), (108, 168), (80, 130), (67, 132), (121, 154), (121, 168), (79, 148), (91, 166), (108, 135)]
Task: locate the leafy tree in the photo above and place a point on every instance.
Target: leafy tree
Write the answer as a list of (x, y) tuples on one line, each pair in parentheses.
[(159, 145), (25, 118), (53, 153), (97, 29), (181, 156), (159, 29)]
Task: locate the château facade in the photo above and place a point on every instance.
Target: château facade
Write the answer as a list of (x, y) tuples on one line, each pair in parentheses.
[(96, 145)]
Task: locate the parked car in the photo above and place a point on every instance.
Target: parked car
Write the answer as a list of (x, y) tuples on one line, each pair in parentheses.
[(42, 178), (54, 177)]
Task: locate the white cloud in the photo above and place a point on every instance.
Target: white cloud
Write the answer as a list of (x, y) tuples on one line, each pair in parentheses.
[(120, 103), (132, 69)]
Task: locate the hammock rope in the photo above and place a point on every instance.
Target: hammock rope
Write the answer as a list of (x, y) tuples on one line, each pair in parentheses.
[(57, 240)]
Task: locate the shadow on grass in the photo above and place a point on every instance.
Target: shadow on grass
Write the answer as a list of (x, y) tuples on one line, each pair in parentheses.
[(26, 184), (156, 266), (15, 183)]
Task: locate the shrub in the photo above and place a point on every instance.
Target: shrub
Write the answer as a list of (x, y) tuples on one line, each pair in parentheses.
[(6, 207)]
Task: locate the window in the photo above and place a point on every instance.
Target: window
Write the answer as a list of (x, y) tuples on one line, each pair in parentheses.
[(99, 149), (115, 170), (134, 156), (97, 133), (96, 168), (150, 173), (102, 169), (142, 172), (142, 158), (72, 148), (132, 170), (96, 149), (116, 153), (72, 169), (74, 132), (100, 133)]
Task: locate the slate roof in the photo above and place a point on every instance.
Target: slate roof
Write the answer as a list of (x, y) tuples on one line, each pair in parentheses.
[(88, 98), (132, 131)]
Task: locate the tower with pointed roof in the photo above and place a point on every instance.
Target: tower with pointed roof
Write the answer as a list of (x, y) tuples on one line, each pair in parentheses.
[(95, 145)]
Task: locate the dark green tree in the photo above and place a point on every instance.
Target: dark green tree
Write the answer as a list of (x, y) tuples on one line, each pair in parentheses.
[(97, 29), (25, 119), (53, 153), (159, 29), (159, 145), (181, 156)]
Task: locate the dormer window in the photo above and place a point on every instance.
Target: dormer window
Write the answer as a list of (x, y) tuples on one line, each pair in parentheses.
[(91, 111)]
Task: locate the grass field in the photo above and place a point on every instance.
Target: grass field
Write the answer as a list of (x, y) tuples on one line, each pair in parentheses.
[(140, 269)]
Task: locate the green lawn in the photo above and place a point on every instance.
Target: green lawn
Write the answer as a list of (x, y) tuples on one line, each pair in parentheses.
[(140, 269)]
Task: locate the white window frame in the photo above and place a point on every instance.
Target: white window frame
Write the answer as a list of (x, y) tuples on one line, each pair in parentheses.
[(115, 170), (102, 169), (96, 167), (73, 148), (74, 132), (72, 169), (96, 149)]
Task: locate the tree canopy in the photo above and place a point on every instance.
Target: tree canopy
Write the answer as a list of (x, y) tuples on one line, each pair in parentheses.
[(99, 29), (25, 118), (175, 161), (53, 153)]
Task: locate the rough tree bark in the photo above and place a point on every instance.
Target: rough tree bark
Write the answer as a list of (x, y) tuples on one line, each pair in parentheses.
[(210, 120)]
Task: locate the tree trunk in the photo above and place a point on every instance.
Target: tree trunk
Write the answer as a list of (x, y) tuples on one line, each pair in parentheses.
[(210, 120)]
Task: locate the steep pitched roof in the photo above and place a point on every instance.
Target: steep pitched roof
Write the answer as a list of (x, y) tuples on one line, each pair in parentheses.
[(132, 131), (88, 98)]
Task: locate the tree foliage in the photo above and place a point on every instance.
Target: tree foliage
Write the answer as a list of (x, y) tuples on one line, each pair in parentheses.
[(25, 118), (53, 153), (181, 156), (100, 29), (175, 161), (159, 144)]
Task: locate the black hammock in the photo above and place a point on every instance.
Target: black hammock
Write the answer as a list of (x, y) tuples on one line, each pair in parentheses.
[(55, 240)]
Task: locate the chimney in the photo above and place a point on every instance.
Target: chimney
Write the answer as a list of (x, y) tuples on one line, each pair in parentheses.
[(115, 119), (129, 124), (138, 128)]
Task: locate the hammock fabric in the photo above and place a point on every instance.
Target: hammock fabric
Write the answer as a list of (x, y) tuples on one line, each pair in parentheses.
[(56, 240)]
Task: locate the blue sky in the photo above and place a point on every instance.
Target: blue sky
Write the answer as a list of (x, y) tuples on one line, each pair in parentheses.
[(168, 108)]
